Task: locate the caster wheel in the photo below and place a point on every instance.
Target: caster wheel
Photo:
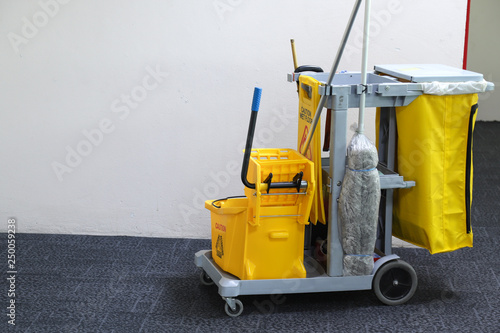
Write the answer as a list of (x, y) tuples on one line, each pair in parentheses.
[(205, 279), (395, 282), (237, 311)]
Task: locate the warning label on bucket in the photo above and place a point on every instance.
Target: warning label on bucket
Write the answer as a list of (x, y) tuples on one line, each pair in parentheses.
[(220, 227), (219, 247)]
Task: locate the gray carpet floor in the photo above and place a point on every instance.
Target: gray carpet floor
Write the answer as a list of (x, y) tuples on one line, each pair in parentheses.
[(75, 283)]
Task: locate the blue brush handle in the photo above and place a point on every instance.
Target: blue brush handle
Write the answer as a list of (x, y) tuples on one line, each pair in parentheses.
[(257, 92)]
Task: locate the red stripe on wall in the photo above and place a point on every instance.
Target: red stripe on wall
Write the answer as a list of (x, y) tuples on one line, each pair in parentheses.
[(466, 43)]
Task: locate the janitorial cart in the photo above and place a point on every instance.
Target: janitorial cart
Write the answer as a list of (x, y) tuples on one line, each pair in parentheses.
[(262, 242)]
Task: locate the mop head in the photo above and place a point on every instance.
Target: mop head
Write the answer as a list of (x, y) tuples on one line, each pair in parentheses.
[(359, 206)]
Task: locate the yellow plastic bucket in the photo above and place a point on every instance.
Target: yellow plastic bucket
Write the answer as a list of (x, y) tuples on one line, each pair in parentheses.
[(274, 249)]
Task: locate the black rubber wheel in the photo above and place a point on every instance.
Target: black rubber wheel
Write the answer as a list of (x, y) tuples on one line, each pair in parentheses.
[(205, 279), (236, 312), (395, 282)]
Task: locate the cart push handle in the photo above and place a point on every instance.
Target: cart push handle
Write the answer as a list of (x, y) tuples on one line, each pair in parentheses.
[(297, 181)]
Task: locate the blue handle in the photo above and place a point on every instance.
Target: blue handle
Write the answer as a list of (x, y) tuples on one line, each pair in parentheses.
[(257, 92)]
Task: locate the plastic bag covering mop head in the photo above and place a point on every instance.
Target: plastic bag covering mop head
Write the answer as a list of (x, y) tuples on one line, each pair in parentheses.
[(359, 206)]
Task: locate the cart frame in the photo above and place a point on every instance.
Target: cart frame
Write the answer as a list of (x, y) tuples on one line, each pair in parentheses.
[(344, 93)]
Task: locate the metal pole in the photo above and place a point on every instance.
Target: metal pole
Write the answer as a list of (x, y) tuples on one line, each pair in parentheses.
[(364, 65), (294, 55), (335, 65)]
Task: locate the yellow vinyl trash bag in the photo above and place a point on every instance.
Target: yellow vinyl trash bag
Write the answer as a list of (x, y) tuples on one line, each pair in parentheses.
[(434, 148), (308, 103)]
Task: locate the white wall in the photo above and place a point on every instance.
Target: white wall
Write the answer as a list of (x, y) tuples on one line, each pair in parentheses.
[(76, 158), (484, 52)]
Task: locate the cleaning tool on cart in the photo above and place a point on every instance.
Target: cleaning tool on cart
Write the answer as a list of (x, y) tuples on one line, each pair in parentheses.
[(308, 102), (262, 236), (274, 177), (359, 205), (307, 89), (258, 241), (360, 194)]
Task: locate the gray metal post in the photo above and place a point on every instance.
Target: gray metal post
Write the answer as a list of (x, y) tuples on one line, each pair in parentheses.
[(391, 144), (387, 157), (338, 146), (389, 196)]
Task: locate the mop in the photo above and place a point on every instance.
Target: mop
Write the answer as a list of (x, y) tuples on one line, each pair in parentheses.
[(359, 198)]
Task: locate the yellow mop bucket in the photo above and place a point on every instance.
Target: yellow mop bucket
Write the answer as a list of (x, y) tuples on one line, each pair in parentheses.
[(272, 250), (262, 236)]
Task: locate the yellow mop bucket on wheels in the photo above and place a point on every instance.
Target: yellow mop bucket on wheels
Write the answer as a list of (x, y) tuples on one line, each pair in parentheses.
[(434, 148), (262, 236)]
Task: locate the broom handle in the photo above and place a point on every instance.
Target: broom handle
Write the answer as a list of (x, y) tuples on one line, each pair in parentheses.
[(364, 66), (294, 55), (335, 65)]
